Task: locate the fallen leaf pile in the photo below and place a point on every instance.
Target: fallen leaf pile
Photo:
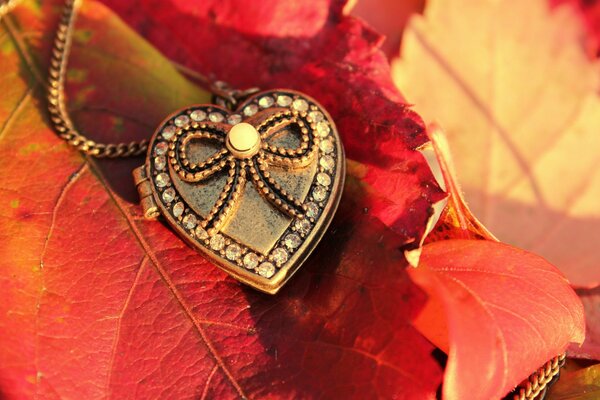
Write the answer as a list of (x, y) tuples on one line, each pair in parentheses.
[(99, 303), (521, 123), (520, 105)]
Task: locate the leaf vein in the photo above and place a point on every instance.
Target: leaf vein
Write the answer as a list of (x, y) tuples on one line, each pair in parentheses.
[(167, 281), (483, 109), (119, 318), (73, 178)]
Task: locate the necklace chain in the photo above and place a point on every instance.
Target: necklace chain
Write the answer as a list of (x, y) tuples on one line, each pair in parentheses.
[(56, 96), (59, 114)]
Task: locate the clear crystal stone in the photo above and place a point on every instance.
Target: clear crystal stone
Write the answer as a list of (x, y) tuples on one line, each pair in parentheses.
[(284, 100), (233, 252), (162, 180), (250, 110), (280, 256), (292, 241), (182, 120), (302, 226), (300, 105), (319, 193), (190, 221), (326, 146), (201, 233), (266, 102), (234, 119), (198, 115), (216, 117), (323, 179), (217, 242), (160, 162), (327, 162), (178, 209), (316, 116), (161, 148), (168, 195), (323, 129), (312, 210), (250, 261), (168, 132), (266, 269)]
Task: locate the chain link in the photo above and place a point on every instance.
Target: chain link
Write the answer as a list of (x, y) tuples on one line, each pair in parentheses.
[(57, 108), (539, 381), (56, 96)]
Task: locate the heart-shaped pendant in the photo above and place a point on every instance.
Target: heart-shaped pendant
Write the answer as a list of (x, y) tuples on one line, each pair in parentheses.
[(254, 188)]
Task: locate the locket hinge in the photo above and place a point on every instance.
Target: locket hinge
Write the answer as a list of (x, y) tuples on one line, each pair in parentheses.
[(144, 188)]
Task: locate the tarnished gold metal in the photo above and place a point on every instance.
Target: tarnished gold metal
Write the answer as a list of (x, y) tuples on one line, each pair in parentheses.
[(144, 187), (253, 188), (243, 140)]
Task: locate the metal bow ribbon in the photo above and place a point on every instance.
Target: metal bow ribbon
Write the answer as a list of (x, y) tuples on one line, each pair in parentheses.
[(255, 167)]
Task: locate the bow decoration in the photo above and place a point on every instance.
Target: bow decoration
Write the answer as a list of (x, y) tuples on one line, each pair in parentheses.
[(240, 168)]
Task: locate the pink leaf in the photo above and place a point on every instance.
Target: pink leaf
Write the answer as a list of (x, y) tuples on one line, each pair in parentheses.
[(508, 312)]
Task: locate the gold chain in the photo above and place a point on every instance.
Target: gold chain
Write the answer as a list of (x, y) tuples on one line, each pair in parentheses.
[(59, 115), (538, 382), (56, 96), (224, 95)]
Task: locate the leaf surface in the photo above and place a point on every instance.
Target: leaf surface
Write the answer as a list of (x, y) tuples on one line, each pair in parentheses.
[(591, 304), (519, 103), (576, 383), (456, 220), (40, 170), (102, 304), (387, 17), (589, 12), (506, 311)]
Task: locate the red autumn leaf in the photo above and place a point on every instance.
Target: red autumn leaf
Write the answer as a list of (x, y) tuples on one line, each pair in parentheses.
[(99, 303), (439, 320), (500, 128), (520, 106), (589, 11), (507, 313), (171, 324), (387, 17)]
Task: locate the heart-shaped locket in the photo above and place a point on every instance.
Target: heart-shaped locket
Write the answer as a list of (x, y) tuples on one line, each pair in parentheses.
[(254, 188)]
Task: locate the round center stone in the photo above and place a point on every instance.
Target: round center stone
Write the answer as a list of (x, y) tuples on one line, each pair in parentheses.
[(243, 140)]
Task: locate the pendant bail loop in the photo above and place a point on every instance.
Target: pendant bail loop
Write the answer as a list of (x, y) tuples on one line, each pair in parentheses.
[(225, 96)]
